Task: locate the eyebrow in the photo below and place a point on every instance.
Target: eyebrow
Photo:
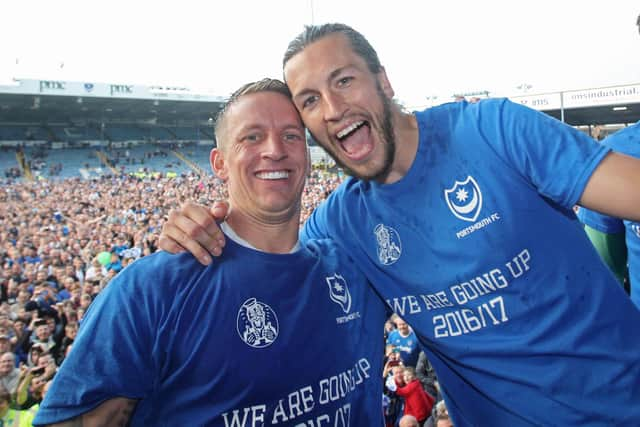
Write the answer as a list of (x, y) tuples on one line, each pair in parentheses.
[(335, 73), (246, 128), (332, 75), (297, 127)]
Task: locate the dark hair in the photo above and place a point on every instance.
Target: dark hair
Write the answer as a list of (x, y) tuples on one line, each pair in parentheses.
[(312, 33), (264, 85)]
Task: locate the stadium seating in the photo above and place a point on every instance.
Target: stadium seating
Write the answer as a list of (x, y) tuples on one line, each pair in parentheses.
[(70, 133), (21, 132)]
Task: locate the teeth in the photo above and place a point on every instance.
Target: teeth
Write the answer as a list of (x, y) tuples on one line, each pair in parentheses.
[(273, 175), (346, 131)]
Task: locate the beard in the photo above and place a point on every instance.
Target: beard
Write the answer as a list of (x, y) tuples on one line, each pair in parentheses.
[(387, 137)]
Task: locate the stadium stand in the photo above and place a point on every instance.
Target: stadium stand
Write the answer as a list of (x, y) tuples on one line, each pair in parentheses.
[(61, 130)]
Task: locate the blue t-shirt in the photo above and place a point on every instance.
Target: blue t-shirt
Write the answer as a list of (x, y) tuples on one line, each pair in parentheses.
[(408, 346), (626, 141), (253, 339), (478, 249)]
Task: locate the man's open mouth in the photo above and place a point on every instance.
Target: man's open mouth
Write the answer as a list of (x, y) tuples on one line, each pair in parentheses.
[(355, 139)]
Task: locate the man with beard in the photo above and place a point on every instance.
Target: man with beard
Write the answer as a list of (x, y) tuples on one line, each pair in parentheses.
[(522, 322), (170, 342)]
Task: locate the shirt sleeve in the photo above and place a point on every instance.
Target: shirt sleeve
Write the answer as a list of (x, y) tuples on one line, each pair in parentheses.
[(555, 158), (316, 226), (112, 354), (603, 223)]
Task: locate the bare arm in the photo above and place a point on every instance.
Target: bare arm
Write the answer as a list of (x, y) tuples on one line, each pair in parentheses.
[(22, 391), (614, 187), (193, 228), (114, 412)]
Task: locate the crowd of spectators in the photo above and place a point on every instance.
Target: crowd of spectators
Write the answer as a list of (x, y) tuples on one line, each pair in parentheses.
[(411, 392), (62, 241)]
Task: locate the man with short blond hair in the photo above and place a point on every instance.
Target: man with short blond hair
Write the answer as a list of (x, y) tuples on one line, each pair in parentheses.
[(148, 349)]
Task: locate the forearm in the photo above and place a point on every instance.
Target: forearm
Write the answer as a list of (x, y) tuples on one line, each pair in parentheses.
[(22, 392)]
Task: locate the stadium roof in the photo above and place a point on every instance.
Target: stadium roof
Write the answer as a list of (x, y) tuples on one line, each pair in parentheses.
[(606, 105), (60, 109), (47, 101), (41, 101)]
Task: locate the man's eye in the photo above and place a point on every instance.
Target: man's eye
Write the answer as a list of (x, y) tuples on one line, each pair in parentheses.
[(344, 81), (293, 137), (308, 102), (251, 138)]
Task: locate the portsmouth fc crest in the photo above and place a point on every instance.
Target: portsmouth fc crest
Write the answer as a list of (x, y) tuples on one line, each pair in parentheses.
[(464, 199), (389, 245), (636, 229), (339, 292), (257, 324)]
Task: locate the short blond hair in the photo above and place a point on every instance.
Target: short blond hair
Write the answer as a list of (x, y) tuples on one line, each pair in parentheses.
[(264, 85)]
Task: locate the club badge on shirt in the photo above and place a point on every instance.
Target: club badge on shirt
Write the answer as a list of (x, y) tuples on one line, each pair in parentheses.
[(464, 199), (389, 244), (339, 292), (257, 324)]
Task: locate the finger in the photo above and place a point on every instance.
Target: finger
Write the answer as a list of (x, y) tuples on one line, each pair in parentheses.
[(220, 209), (208, 234), (170, 237), (167, 244), (200, 226)]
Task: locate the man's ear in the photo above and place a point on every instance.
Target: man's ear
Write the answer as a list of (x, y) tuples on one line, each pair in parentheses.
[(218, 164), (383, 80)]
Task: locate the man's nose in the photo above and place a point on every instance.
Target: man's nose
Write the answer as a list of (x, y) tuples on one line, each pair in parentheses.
[(275, 148), (334, 107)]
